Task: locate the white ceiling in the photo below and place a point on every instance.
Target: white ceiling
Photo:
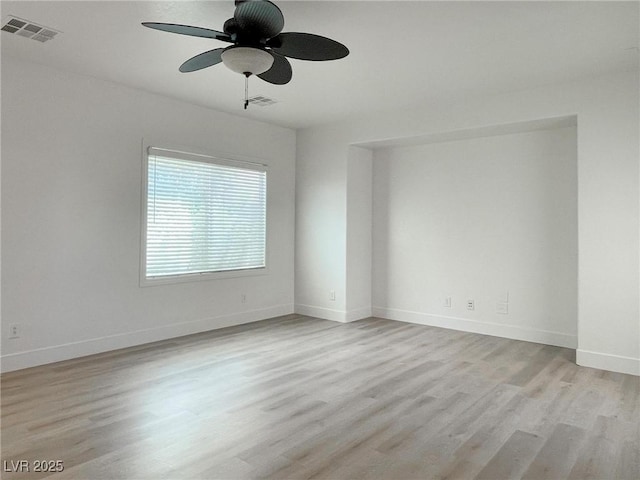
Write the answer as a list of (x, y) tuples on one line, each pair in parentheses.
[(402, 53)]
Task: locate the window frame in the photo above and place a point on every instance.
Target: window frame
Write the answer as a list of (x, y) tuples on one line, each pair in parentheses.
[(193, 154)]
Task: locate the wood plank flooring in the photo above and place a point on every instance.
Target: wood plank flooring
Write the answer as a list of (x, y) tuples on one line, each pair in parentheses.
[(301, 398)]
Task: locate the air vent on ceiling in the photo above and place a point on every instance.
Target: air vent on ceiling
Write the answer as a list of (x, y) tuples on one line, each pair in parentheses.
[(262, 101), (28, 29)]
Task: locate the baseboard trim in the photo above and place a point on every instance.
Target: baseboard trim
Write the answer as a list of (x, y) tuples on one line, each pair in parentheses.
[(342, 316), (486, 328), (358, 314), (321, 312), (607, 361), (585, 358), (56, 353)]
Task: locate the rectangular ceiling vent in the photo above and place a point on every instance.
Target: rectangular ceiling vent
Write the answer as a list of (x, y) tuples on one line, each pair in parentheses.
[(262, 101), (28, 29)]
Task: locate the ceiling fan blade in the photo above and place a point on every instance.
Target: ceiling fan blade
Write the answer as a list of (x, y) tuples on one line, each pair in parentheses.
[(307, 46), (189, 30), (260, 19), (280, 72), (204, 60)]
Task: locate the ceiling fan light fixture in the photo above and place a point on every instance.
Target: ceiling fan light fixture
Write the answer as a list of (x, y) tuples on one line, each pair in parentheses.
[(259, 46), (247, 60)]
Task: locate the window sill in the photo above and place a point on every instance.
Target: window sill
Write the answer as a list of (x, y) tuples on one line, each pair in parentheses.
[(199, 277)]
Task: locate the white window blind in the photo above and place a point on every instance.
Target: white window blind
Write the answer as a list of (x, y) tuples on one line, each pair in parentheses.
[(203, 215)]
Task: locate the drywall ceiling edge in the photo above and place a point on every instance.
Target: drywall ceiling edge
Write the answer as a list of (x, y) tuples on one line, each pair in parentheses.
[(476, 132)]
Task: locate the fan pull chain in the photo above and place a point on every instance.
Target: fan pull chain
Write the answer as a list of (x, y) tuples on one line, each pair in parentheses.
[(246, 90)]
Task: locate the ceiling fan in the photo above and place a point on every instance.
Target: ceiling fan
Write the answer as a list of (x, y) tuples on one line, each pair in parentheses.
[(258, 46)]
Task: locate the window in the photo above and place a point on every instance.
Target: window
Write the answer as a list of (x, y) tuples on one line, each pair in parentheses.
[(203, 215)]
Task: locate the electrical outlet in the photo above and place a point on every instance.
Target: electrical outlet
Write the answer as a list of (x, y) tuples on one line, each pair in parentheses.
[(14, 331), (332, 295), (243, 298), (502, 308), (471, 304), (446, 302)]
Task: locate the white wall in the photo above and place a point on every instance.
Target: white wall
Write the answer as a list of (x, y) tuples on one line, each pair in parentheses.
[(320, 229), (493, 219), (71, 186), (608, 203), (359, 234)]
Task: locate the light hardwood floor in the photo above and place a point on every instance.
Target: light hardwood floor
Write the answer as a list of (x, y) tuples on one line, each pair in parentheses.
[(296, 397)]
